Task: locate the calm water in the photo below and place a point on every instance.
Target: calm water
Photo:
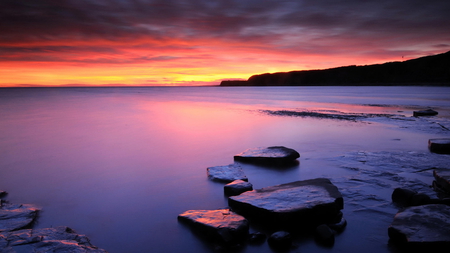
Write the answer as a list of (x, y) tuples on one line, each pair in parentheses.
[(119, 164)]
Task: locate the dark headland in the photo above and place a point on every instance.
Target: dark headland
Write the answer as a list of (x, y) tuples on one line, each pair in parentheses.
[(428, 70)]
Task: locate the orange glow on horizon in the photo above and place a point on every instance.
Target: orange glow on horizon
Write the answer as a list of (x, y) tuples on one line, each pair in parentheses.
[(151, 62)]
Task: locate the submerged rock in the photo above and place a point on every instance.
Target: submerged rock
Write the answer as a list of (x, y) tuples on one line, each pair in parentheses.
[(222, 224), (280, 240), (324, 235), (16, 216), (308, 202), (237, 187), (427, 224), (276, 154), (428, 112), (227, 173), (439, 146), (58, 239)]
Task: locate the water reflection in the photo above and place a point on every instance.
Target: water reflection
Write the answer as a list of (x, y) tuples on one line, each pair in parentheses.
[(120, 164)]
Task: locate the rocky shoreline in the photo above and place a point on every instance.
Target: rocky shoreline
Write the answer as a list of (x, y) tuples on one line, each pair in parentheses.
[(313, 207), (17, 234)]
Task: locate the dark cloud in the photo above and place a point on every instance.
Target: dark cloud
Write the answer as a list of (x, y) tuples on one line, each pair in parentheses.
[(301, 24)]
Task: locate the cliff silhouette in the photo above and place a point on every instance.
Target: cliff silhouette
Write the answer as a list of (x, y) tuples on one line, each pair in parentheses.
[(428, 70)]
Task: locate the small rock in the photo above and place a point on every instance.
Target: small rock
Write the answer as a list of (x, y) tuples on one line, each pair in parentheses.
[(222, 224), (324, 235), (427, 224), (402, 196), (257, 238), (13, 216), (280, 240), (338, 226), (227, 173), (439, 146), (237, 187), (276, 154), (428, 112), (420, 199)]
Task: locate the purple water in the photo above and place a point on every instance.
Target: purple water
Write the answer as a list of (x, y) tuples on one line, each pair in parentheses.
[(119, 164)]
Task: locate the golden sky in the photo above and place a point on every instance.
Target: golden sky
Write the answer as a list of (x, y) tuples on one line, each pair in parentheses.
[(199, 42)]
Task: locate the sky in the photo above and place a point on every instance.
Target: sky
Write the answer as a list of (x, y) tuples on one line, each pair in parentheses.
[(201, 42)]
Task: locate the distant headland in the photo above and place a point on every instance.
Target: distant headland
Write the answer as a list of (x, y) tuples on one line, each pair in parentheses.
[(428, 70)]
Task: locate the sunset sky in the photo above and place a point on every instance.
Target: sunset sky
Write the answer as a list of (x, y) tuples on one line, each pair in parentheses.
[(201, 42)]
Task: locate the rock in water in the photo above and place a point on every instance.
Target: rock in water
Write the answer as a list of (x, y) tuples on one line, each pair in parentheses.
[(222, 224), (58, 239), (280, 240), (227, 173), (276, 154), (237, 187), (439, 146), (14, 216), (427, 224), (442, 180), (428, 112), (308, 202)]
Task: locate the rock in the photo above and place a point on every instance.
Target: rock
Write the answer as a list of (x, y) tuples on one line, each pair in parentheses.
[(299, 203), (406, 197), (428, 112), (3, 194), (237, 187), (324, 235), (338, 226), (276, 154), (442, 180), (439, 146), (257, 237), (402, 196), (280, 240), (427, 224), (13, 216), (223, 224), (227, 173), (58, 239)]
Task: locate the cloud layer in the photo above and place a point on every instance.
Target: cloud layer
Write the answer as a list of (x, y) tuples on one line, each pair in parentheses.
[(206, 41)]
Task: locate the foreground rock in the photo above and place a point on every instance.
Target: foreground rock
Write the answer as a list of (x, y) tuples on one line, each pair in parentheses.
[(58, 239), (15, 216), (227, 173), (237, 187), (308, 202), (276, 154), (428, 112), (439, 146), (442, 180), (422, 225), (222, 225)]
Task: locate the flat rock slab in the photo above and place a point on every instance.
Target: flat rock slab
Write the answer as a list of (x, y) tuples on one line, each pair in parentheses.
[(227, 173), (428, 112), (16, 216), (439, 146), (237, 187), (442, 180), (276, 154), (221, 224), (58, 239), (427, 224), (307, 202)]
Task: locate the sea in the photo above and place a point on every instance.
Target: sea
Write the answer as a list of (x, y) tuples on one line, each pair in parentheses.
[(119, 164)]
